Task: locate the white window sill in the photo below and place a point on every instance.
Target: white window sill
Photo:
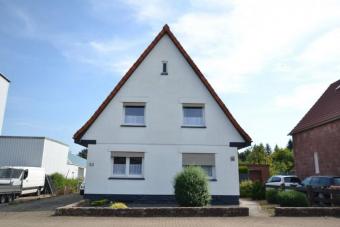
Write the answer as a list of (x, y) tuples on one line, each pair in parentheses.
[(132, 125), (126, 178), (193, 126)]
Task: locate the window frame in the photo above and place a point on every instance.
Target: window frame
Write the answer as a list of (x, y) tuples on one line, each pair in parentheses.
[(133, 104), (192, 105), (166, 72), (127, 169)]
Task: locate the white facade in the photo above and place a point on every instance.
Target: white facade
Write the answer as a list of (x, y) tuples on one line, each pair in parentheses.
[(4, 85), (36, 152), (163, 140)]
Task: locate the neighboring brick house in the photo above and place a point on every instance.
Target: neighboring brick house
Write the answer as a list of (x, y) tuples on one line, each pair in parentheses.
[(316, 138)]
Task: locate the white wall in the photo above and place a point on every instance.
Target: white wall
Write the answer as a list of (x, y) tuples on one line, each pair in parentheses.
[(4, 85), (162, 162), (162, 139), (55, 157), (21, 151)]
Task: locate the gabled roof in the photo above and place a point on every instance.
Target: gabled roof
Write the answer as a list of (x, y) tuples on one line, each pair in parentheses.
[(165, 31), (325, 110)]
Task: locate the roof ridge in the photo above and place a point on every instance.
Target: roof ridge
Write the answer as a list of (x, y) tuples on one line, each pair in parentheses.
[(165, 31)]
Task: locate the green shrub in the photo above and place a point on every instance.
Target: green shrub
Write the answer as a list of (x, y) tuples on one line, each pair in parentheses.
[(191, 187), (292, 198), (63, 184), (100, 202), (258, 191), (118, 206), (271, 195), (243, 169), (58, 181), (246, 188)]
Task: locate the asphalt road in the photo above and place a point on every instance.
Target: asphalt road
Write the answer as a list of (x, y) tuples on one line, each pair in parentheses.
[(40, 213)]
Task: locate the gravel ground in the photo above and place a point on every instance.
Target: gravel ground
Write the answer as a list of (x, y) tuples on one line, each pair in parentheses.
[(40, 213)]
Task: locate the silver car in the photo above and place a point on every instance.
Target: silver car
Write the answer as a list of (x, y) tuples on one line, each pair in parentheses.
[(283, 181)]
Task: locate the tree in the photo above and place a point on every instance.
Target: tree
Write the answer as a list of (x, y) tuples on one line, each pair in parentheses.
[(242, 156), (290, 144), (282, 161), (258, 155), (83, 153), (268, 149)]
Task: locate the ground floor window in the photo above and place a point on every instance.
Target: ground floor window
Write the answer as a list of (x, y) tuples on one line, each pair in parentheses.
[(127, 164), (205, 161)]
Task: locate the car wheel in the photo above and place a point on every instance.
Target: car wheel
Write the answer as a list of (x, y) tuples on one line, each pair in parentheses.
[(2, 199), (9, 198)]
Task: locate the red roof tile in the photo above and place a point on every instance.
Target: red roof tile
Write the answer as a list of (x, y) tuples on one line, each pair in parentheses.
[(325, 110), (165, 31)]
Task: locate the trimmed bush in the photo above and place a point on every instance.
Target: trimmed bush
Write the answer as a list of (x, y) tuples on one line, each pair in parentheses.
[(191, 187), (271, 195), (292, 198), (101, 202), (258, 191), (243, 169), (246, 188), (118, 206)]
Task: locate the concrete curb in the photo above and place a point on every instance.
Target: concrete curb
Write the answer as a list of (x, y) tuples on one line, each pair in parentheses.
[(307, 211), (71, 210)]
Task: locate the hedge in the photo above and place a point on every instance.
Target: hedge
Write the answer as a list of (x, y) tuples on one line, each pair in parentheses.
[(292, 198)]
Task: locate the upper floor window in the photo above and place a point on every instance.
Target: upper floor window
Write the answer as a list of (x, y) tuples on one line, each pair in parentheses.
[(193, 115), (164, 68), (134, 114)]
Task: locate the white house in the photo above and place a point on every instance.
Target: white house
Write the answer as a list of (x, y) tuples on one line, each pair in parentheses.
[(162, 116), (4, 84), (44, 152)]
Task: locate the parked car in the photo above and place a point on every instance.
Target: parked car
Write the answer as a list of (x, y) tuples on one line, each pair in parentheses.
[(319, 182), (280, 181), (82, 188)]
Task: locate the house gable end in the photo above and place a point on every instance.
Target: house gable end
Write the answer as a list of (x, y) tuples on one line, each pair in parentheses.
[(164, 33)]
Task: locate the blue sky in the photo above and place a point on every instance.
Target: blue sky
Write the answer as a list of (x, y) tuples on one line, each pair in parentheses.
[(268, 60)]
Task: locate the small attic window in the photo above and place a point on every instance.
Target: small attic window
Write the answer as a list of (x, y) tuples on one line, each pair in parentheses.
[(164, 68)]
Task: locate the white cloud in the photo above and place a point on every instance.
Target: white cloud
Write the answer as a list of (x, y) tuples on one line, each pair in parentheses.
[(233, 41)]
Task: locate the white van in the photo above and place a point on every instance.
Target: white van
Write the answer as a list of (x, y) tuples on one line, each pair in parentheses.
[(32, 179)]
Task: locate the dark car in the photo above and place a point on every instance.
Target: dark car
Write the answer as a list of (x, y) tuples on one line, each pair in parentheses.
[(319, 182)]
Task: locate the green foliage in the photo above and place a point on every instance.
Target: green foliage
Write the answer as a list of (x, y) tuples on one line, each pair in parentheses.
[(101, 202), (61, 183), (282, 161), (257, 154), (118, 206), (246, 187), (292, 198), (258, 191), (271, 195), (243, 169), (191, 187), (83, 153)]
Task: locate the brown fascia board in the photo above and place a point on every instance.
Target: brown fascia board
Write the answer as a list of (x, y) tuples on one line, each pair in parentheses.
[(165, 31)]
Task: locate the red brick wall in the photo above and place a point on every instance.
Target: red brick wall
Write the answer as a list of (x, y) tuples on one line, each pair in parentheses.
[(325, 140), (258, 172)]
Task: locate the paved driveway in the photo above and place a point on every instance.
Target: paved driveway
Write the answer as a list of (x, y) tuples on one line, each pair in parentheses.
[(40, 213)]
